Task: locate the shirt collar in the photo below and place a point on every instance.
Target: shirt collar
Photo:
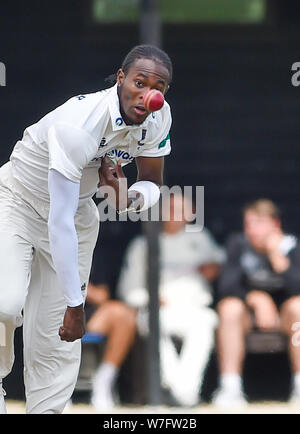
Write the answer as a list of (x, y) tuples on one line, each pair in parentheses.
[(117, 121)]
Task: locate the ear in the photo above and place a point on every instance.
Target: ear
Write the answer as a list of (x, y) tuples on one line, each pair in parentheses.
[(120, 77)]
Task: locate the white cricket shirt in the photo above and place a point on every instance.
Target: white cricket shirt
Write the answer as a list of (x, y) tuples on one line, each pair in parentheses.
[(181, 254), (74, 137)]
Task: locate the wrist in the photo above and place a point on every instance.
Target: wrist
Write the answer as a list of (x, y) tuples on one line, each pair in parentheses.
[(135, 202), (76, 308), (279, 262)]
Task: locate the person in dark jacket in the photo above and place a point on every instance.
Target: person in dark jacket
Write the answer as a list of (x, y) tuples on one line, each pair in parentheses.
[(259, 286)]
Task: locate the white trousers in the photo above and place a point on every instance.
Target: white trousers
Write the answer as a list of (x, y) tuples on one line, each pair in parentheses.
[(29, 285), (183, 373)]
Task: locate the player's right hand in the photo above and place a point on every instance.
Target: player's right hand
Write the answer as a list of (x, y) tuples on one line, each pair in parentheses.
[(111, 175), (74, 324)]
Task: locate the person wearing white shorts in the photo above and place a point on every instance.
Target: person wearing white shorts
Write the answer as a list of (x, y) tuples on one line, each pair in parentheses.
[(49, 222)]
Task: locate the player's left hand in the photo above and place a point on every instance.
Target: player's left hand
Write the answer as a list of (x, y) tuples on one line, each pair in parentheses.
[(74, 324)]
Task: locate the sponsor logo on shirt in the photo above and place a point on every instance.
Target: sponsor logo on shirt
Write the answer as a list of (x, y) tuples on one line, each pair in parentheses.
[(144, 132), (164, 142), (117, 154), (119, 122), (102, 143)]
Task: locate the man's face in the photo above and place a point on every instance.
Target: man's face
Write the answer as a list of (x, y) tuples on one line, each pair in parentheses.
[(143, 75), (258, 228)]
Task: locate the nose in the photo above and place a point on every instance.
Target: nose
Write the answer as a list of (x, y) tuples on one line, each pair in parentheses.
[(143, 92)]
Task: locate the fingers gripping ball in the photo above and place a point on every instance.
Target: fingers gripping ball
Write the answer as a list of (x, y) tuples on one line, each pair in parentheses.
[(153, 100)]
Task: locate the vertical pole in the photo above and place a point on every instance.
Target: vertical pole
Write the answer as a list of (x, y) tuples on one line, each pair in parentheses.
[(150, 33), (150, 25), (151, 231)]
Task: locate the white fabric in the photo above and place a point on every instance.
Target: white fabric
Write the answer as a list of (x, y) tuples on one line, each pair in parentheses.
[(183, 373), (74, 137), (64, 195), (2, 401), (29, 282), (231, 381), (66, 151), (150, 192), (185, 297), (229, 399), (103, 383), (180, 255)]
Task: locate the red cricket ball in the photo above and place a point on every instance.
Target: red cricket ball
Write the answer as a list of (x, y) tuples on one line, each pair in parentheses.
[(153, 100)]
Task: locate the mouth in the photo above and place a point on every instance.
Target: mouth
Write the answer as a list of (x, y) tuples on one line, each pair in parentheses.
[(140, 110)]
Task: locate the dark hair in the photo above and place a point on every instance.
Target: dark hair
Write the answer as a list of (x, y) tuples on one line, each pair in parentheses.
[(144, 52)]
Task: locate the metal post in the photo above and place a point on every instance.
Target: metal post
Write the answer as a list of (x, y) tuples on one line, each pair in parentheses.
[(150, 33), (150, 25), (151, 231)]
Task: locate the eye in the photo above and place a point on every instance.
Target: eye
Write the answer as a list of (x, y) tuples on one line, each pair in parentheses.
[(139, 83)]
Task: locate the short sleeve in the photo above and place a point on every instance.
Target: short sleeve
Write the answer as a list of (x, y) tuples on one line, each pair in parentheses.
[(70, 150), (162, 149), (160, 144)]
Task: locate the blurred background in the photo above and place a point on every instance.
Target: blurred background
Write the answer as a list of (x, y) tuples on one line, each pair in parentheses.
[(235, 111)]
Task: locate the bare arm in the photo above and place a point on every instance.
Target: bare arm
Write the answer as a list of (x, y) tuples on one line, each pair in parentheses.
[(150, 169), (210, 271)]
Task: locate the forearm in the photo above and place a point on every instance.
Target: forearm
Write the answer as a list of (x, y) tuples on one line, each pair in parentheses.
[(210, 271), (279, 262)]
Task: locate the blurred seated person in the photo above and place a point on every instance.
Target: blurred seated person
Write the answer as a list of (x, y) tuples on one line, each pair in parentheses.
[(260, 279), (116, 321), (190, 262)]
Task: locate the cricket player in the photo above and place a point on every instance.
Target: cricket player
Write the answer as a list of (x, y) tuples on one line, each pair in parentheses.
[(49, 222)]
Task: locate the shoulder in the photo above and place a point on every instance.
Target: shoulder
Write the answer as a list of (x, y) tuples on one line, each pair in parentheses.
[(88, 102), (82, 111)]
